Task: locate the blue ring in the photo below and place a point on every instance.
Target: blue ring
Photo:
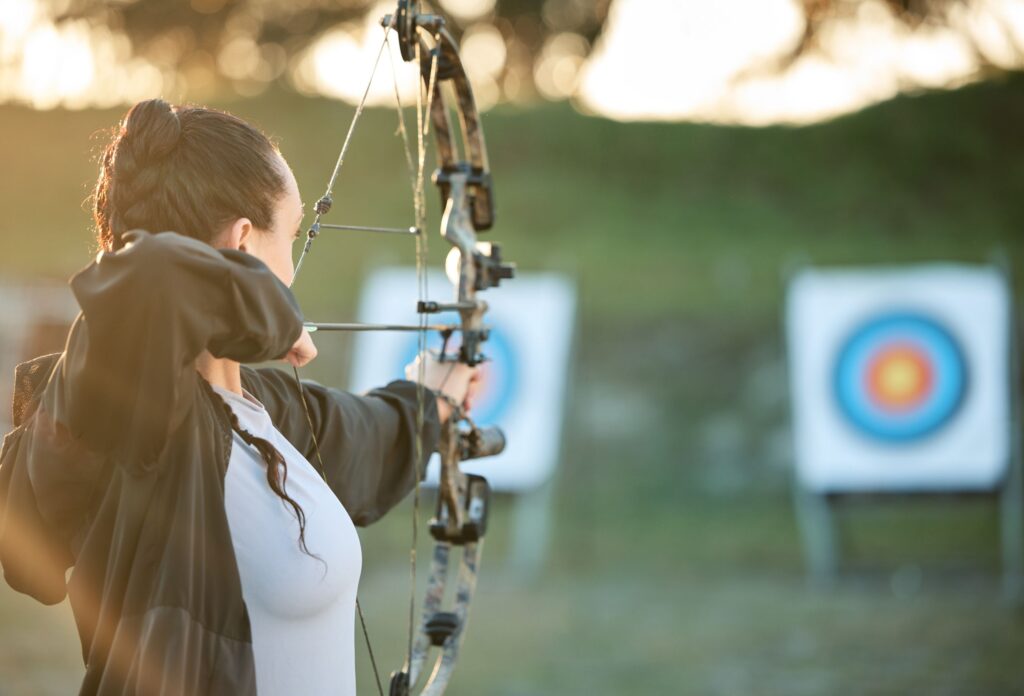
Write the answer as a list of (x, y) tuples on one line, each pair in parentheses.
[(949, 372)]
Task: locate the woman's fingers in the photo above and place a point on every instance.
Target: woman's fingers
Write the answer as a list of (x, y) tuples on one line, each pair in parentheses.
[(303, 351), (455, 380), (472, 389)]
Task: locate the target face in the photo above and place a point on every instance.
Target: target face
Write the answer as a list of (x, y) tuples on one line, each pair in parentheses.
[(900, 377), (522, 386)]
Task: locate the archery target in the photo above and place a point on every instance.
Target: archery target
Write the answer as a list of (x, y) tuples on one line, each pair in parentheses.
[(900, 378), (523, 381)]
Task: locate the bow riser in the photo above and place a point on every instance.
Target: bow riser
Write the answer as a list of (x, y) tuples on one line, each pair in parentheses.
[(458, 231)]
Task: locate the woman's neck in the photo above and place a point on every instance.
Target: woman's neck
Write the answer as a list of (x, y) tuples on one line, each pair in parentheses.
[(220, 372)]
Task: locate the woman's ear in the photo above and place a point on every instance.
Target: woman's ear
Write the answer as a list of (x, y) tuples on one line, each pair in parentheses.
[(234, 235)]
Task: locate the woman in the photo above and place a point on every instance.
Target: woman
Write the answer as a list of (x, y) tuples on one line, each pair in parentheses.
[(206, 554)]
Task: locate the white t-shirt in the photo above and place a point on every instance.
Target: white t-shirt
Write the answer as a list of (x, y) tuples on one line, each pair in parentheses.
[(301, 609)]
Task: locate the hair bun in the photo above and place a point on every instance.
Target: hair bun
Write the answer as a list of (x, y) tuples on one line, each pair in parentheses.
[(184, 168), (153, 130)]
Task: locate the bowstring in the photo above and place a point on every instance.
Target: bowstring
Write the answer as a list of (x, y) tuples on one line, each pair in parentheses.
[(295, 371), (315, 227), (419, 197), (402, 130)]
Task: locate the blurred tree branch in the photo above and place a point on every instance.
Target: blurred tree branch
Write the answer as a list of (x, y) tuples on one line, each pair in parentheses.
[(821, 15), (177, 34), (180, 35), (912, 13)]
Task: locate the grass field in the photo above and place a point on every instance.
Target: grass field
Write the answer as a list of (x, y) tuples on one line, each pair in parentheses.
[(675, 566)]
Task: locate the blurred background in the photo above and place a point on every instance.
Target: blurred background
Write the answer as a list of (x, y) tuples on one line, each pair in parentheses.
[(677, 159)]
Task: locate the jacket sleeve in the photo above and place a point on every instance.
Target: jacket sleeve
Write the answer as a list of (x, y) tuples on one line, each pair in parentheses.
[(367, 442), (148, 311)]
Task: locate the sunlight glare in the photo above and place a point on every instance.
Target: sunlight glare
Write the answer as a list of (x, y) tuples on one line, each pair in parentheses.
[(728, 61), (240, 58), (720, 70), (468, 10), (338, 64), (74, 65), (997, 28), (556, 72), (16, 19), (483, 51), (673, 58), (57, 65)]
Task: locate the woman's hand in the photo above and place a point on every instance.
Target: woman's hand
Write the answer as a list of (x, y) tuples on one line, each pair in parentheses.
[(303, 352), (457, 381)]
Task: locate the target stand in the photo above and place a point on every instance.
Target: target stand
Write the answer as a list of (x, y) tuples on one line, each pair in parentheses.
[(904, 383)]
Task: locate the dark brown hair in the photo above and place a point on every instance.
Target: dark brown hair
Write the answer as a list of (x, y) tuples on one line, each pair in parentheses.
[(189, 169), (192, 170), (277, 468)]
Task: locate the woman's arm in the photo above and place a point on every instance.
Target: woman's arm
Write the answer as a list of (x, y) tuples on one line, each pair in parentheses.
[(148, 311), (368, 442)]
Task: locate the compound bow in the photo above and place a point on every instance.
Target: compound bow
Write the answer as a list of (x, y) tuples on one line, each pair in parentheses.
[(467, 198)]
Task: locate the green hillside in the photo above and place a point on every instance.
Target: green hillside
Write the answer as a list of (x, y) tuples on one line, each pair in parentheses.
[(705, 214)]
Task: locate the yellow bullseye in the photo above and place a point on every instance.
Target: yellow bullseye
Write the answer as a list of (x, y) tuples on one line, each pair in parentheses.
[(899, 378)]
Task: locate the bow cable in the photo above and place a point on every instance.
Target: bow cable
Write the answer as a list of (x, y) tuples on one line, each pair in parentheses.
[(420, 205)]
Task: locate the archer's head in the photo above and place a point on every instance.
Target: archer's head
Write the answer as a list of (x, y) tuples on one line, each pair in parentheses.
[(202, 173)]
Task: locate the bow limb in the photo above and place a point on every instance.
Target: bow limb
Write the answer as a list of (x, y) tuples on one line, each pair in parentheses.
[(451, 71)]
